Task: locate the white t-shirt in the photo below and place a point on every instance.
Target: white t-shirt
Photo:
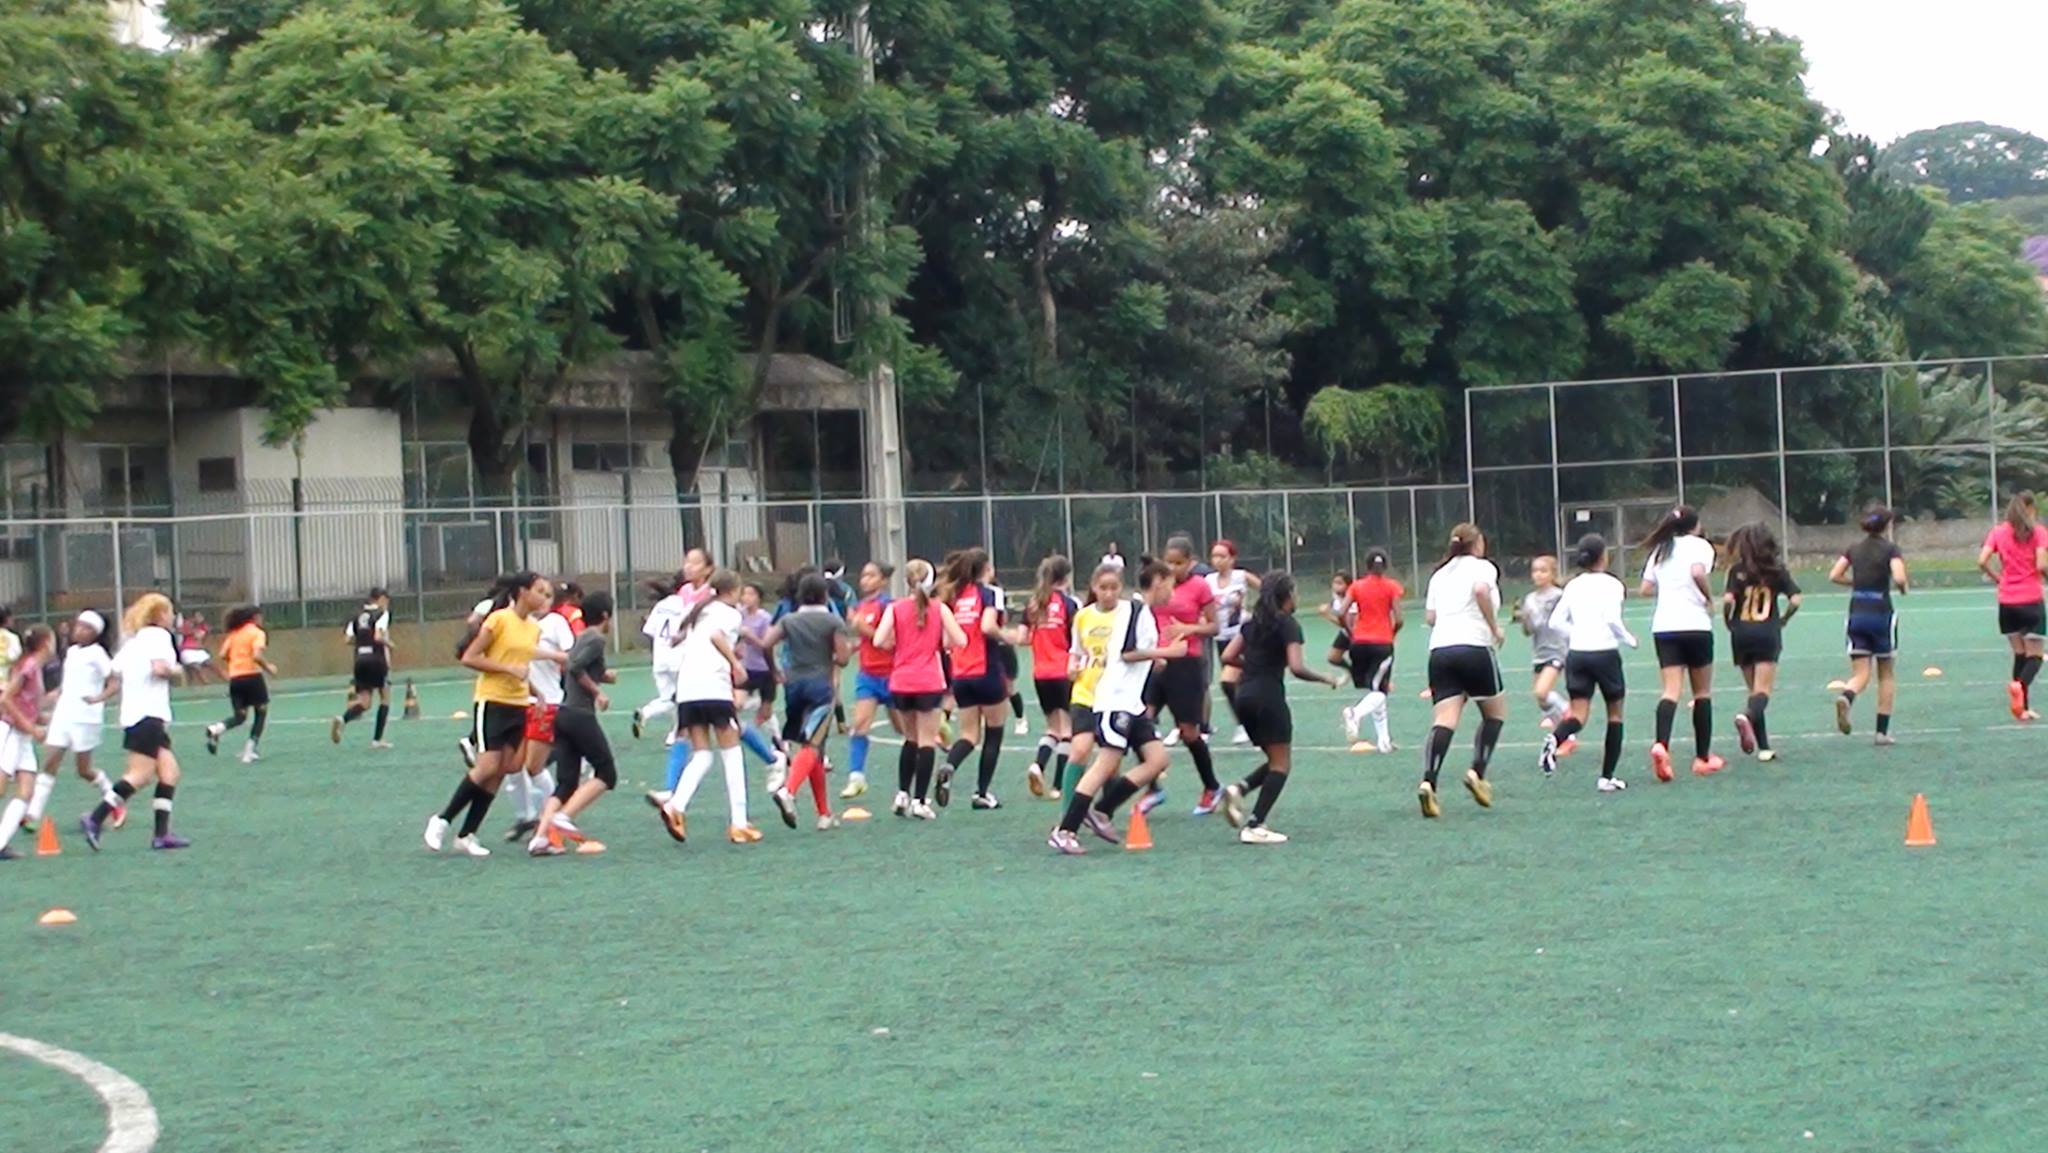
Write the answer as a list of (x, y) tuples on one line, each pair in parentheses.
[(1112, 560), (143, 693), (660, 628), (1458, 619), (545, 677), (1231, 593), (86, 668), (1681, 606), (704, 674), (482, 610), (1590, 613), (1122, 687)]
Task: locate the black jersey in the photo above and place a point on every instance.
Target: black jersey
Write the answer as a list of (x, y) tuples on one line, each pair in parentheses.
[(366, 632), (1756, 598)]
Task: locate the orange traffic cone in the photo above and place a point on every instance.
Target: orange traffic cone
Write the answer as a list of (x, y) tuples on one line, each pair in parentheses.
[(1919, 826), (46, 837), (1140, 836)]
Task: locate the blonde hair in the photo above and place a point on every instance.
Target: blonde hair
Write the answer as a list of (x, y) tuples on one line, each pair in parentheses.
[(148, 609), (918, 574)]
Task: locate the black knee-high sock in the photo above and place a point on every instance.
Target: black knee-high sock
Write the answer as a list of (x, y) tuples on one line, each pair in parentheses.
[(2019, 665), (1434, 752), (839, 712), (162, 805), (1567, 729), (477, 808), (1258, 777), (906, 767), (262, 719), (1667, 712), (1077, 808), (354, 712), (1060, 754), (1703, 725), (1205, 766), (122, 790), (466, 791), (383, 715), (1884, 723), (1269, 792), (2029, 669), (1017, 705), (1114, 795), (1484, 744), (234, 720), (927, 760), (957, 755), (1758, 704), (1230, 697), (1046, 745), (991, 754), (1610, 756)]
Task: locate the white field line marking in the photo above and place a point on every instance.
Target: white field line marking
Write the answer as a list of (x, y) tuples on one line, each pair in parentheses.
[(131, 1119)]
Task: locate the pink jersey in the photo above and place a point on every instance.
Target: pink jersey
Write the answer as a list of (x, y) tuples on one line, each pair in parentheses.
[(2019, 577), (1189, 598), (917, 668), (27, 694)]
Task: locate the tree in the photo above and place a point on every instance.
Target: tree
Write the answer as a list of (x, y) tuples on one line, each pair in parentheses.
[(1971, 161), (1967, 293)]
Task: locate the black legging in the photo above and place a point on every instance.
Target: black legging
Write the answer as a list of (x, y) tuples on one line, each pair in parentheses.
[(579, 738), (240, 715)]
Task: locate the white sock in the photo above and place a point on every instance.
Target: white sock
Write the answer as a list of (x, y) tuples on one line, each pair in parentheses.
[(658, 707), (1369, 704), (693, 775), (46, 783), (1555, 705), (539, 788), (735, 785), (10, 821), (105, 785), (515, 783)]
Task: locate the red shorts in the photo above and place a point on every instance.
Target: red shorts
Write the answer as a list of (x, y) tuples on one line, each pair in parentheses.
[(540, 723)]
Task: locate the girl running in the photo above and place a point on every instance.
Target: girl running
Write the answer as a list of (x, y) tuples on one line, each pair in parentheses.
[(502, 652), (1547, 642), (978, 686), (369, 637), (1872, 568), (1265, 650), (678, 598), (1334, 612), (757, 654), (1003, 655), (1050, 617), (531, 780), (147, 666), (2020, 546), (1589, 615), (917, 634), (1182, 686), (21, 715), (1462, 610), (87, 684), (1086, 659), (1757, 580), (1680, 561), (241, 651), (1231, 586), (1372, 604), (1123, 724), (579, 737), (871, 681), (816, 641), (705, 714), (192, 631)]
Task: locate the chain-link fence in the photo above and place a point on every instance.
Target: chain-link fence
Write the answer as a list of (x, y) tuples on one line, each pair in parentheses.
[(1944, 443)]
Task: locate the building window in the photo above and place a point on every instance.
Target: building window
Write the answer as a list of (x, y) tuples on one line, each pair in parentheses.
[(606, 456), (217, 474)]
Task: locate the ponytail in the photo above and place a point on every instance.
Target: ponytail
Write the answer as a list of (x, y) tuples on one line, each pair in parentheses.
[(918, 574), (723, 583), (1465, 541), (2019, 513), (1876, 519), (1679, 522), (1276, 600), (1051, 571)]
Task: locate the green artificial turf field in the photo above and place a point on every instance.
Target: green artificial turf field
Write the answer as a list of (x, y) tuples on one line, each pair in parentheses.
[(1751, 961)]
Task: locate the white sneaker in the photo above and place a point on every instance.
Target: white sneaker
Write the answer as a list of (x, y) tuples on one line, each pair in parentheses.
[(901, 805), (437, 833), (658, 797), (1612, 785), (856, 785), (1350, 724), (540, 846), (1233, 805), (1386, 745), (923, 811), (778, 773), (469, 846), (1240, 737), (1260, 835), (1023, 727), (380, 744), (250, 756), (827, 822), (986, 801), (669, 740), (1172, 737), (468, 748), (1547, 759)]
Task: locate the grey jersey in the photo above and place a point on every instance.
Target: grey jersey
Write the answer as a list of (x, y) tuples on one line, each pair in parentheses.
[(586, 656), (809, 639), (1550, 644)]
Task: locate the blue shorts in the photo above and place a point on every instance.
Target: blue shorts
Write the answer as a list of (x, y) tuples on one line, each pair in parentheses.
[(871, 687), (1873, 635)]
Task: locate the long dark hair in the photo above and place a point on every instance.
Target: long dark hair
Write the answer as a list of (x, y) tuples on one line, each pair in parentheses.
[(1680, 521), (1589, 552), (1876, 519), (792, 585), (1276, 600), (1756, 553), (1377, 560), (963, 570), (239, 616), (724, 582), (1465, 540), (2019, 513), (1051, 571)]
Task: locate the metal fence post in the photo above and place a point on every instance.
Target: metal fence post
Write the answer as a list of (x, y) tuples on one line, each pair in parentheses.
[(1784, 495), (1556, 489), (1414, 542), (120, 593), (1067, 516), (1991, 419), (498, 536), (1677, 441), (1144, 524), (1885, 388), (1286, 526), (611, 556), (253, 559), (1351, 523)]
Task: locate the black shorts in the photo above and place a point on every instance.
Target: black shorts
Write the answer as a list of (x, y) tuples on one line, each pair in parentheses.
[(708, 714), (250, 692), (1054, 696), (916, 702), (1004, 658), (1756, 644), (1341, 643), (1179, 688), (1585, 672), (1463, 671), (147, 737), (494, 726), (761, 684), (1536, 667), (1082, 719), (1125, 732), (2022, 620), (980, 692), (1873, 635), (579, 738), (1372, 665), (371, 673), (1262, 710), (1688, 650)]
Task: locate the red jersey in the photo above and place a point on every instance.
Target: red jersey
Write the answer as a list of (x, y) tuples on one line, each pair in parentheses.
[(867, 617), (916, 667), (1189, 598), (573, 614), (1052, 638), (970, 661), (1374, 596)]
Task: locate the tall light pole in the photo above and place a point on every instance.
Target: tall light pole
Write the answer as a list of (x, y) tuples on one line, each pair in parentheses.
[(883, 427)]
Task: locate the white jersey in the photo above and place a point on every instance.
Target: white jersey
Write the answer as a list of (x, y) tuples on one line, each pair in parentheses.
[(1681, 606), (1459, 620), (704, 674), (1231, 593), (86, 668), (545, 677), (1121, 688), (1112, 561), (1589, 613), (143, 693), (660, 628)]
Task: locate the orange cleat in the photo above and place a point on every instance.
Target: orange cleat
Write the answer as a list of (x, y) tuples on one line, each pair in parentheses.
[(1708, 765), (2016, 699), (1660, 762), (1568, 746), (742, 834)]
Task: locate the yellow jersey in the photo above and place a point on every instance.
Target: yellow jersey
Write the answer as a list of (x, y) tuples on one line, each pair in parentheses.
[(513, 641), (242, 650), (1092, 627)]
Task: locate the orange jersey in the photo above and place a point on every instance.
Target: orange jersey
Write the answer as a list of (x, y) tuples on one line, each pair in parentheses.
[(242, 650), (1374, 597), (1052, 638), (867, 617)]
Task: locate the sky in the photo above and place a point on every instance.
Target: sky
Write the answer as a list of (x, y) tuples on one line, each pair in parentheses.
[(1889, 67)]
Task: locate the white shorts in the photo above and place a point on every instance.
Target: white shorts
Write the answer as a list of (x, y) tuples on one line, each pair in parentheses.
[(17, 752), (191, 657), (73, 736)]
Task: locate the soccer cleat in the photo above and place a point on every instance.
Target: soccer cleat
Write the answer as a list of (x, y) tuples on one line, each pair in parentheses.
[(826, 822), (1172, 738), (250, 756), (1547, 759), (91, 829), (901, 805), (470, 846), (1151, 801), (786, 805), (1053, 795), (856, 785), (1766, 756), (543, 845), (381, 744), (2029, 715), (1842, 715), (1240, 737), (1708, 765), (742, 834), (1745, 733), (1260, 835), (778, 773), (1102, 826), (2016, 698), (986, 801), (1066, 842), (639, 724), (334, 731), (1885, 741), (676, 824), (119, 817), (1208, 801), (1233, 805), (1613, 785), (169, 841), (213, 732), (437, 833), (520, 830), (1660, 762), (468, 749), (657, 797), (942, 792), (1425, 795), (564, 829), (1023, 728), (923, 811), (1480, 788), (1350, 724), (1034, 779)]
